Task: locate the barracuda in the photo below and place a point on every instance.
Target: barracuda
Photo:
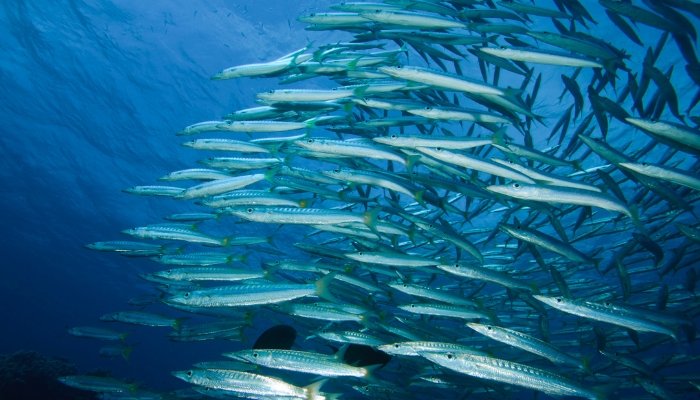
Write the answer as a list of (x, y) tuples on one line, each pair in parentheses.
[(603, 313), (548, 242), (349, 148), (415, 348), (169, 233), (219, 186), (441, 79), (195, 274), (391, 258), (412, 20), (300, 361), (465, 161), (664, 173), (291, 215), (258, 69), (250, 384), (200, 174), (451, 143), (476, 272), (251, 294), (546, 179), (528, 343), (541, 57), (226, 145), (456, 114), (560, 195), (504, 371), (677, 133)]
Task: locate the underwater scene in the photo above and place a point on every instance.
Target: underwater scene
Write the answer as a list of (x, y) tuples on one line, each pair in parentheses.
[(316, 199)]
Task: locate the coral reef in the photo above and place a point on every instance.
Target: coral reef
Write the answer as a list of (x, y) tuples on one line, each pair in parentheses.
[(28, 375)]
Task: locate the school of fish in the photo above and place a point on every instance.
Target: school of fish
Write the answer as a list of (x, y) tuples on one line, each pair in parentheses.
[(500, 198)]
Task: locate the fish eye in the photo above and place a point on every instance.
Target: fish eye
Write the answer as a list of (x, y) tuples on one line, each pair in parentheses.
[(450, 356), (309, 141), (255, 355), (170, 271), (399, 66), (428, 108), (271, 91), (337, 170), (396, 345), (413, 306), (187, 295), (456, 265), (516, 185), (394, 136), (558, 299), (645, 164), (249, 210), (488, 327), (607, 304), (189, 373)]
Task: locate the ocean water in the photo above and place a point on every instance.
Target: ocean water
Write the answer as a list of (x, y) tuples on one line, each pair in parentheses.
[(93, 93)]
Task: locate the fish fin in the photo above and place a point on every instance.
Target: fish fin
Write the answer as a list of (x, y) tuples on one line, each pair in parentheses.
[(323, 287), (603, 392), (178, 323), (126, 353), (499, 138), (411, 161), (313, 390), (311, 122), (586, 364), (634, 215), (360, 91), (369, 375), (418, 196), (340, 354), (370, 219)]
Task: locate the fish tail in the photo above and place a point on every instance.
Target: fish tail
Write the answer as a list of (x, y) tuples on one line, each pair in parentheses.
[(360, 91)]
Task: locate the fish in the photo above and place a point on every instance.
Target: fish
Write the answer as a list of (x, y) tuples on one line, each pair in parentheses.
[(250, 294), (99, 384), (495, 190), (300, 361), (247, 383), (560, 195), (528, 343), (504, 371), (606, 313)]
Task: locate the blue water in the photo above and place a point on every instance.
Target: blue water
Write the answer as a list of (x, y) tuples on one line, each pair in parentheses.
[(91, 94)]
